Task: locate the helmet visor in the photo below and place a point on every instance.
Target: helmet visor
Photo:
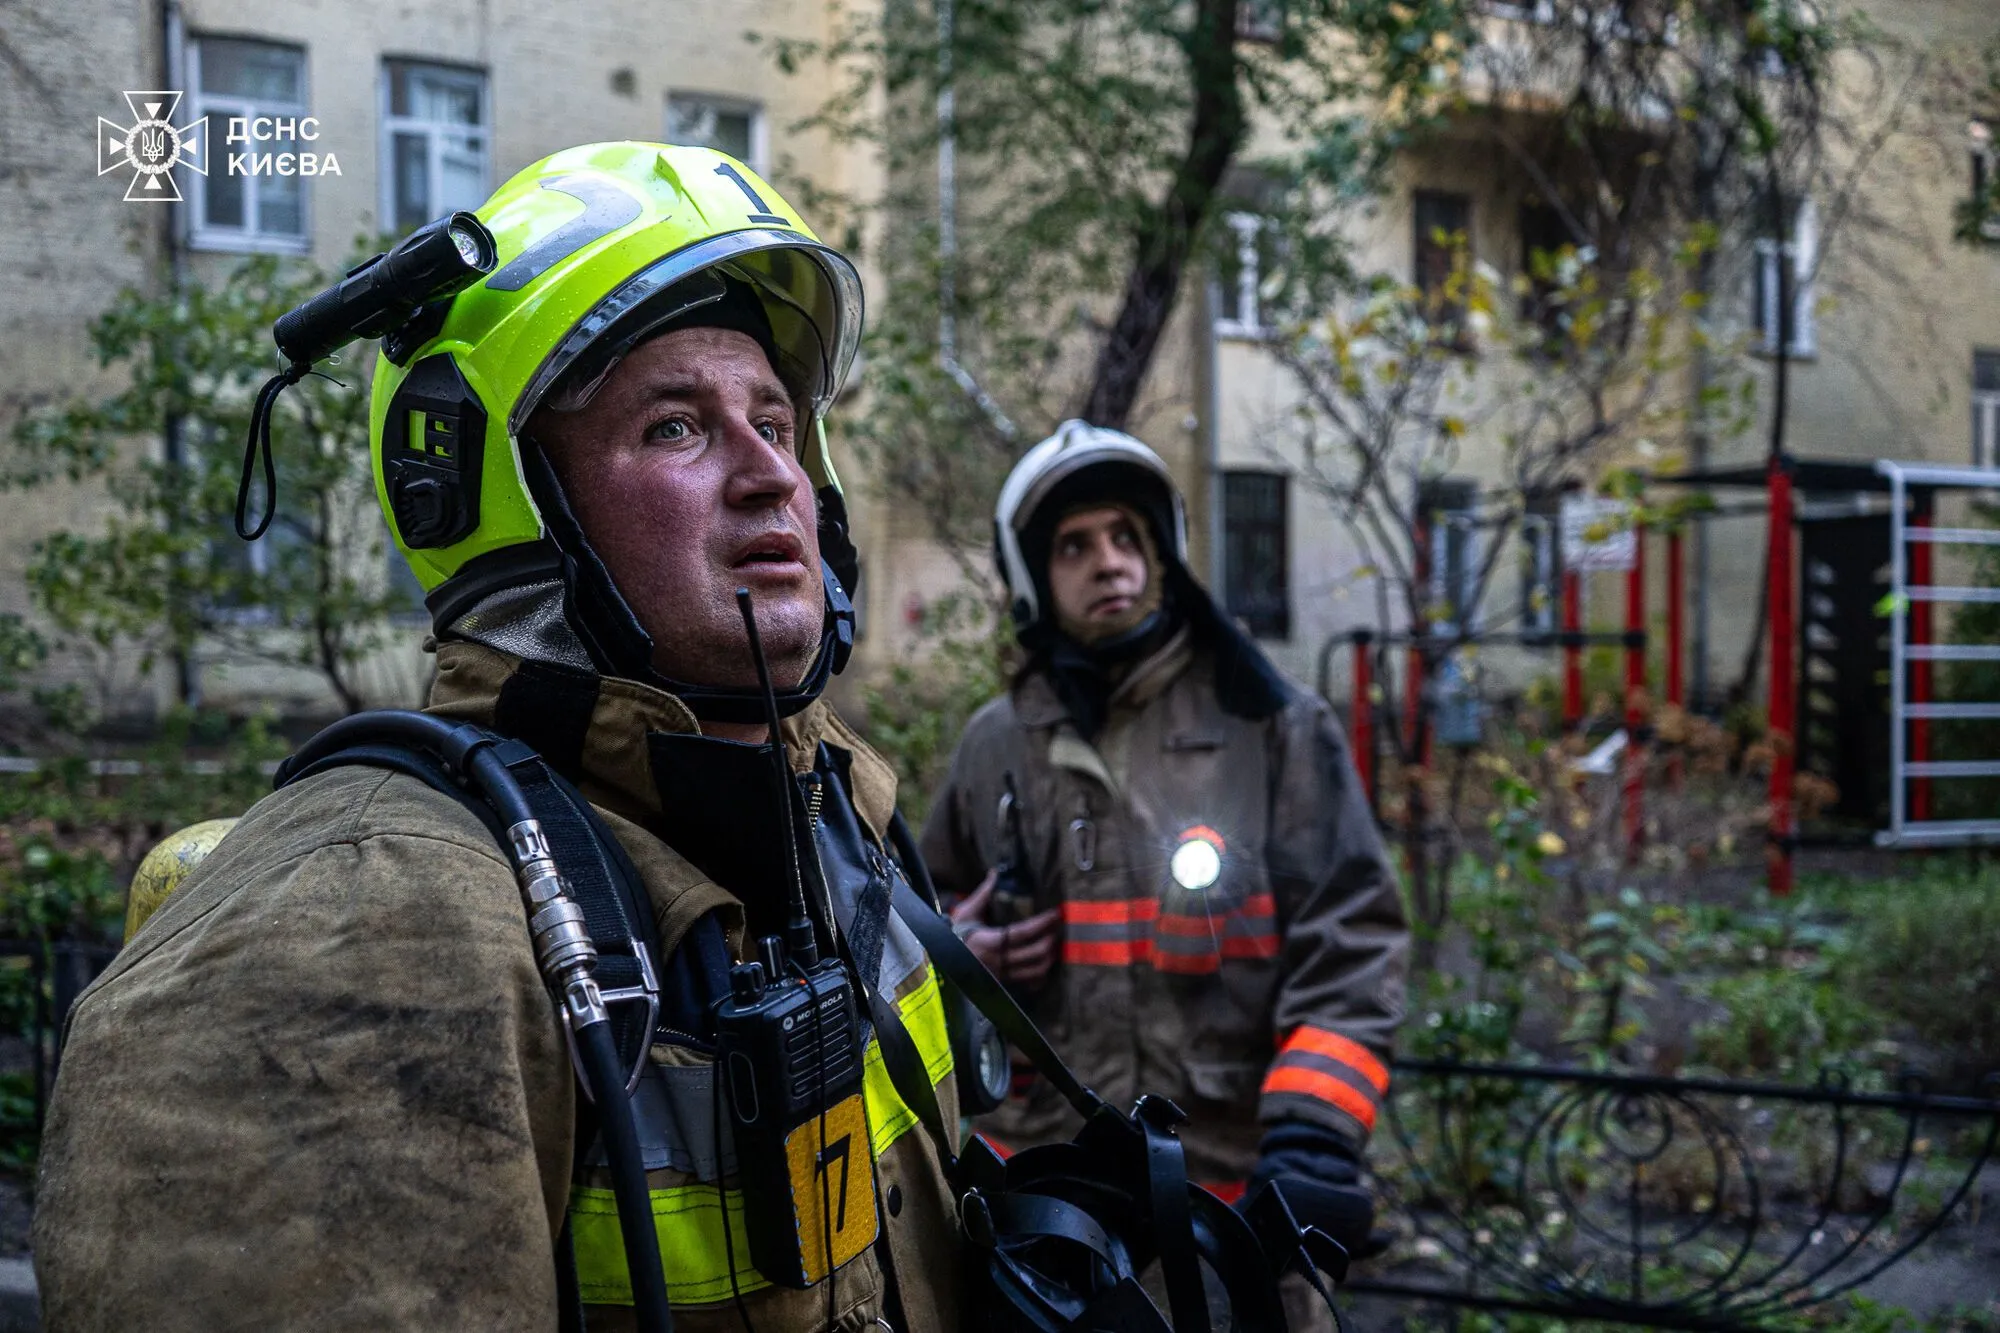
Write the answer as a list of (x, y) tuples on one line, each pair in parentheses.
[(810, 292)]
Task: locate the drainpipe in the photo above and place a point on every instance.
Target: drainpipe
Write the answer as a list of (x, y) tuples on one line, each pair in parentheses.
[(948, 233), (173, 39), (1211, 347)]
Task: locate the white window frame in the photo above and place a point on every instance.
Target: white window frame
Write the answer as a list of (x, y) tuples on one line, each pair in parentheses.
[(760, 131), (1985, 163), (1532, 11), (1802, 246), (1465, 521), (1541, 569), (220, 108), (1260, 20), (437, 134), (1985, 421), (1248, 227)]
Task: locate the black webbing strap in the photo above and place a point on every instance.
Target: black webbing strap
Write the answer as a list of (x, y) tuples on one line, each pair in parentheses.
[(863, 918), (1044, 1217), (1173, 1221), (411, 763), (907, 1071), (964, 970)]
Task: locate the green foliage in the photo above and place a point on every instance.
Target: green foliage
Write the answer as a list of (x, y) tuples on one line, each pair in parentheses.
[(1922, 953), (55, 891), (916, 715), (1786, 1021), (21, 651), (1540, 963), (165, 572)]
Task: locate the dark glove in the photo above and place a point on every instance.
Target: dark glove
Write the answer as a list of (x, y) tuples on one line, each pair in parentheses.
[(1320, 1174)]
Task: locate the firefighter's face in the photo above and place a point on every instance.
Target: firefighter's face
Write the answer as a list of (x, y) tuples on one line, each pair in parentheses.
[(684, 471), (1097, 566)]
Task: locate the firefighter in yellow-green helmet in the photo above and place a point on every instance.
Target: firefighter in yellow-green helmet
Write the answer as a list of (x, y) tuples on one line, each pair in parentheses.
[(325, 1085)]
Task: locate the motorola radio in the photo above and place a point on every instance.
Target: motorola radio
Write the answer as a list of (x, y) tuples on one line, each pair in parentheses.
[(1013, 899), (789, 1058)]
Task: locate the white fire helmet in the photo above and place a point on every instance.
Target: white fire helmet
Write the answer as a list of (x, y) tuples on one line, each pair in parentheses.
[(1076, 446)]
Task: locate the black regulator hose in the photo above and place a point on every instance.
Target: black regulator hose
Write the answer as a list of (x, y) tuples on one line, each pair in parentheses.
[(606, 1073)]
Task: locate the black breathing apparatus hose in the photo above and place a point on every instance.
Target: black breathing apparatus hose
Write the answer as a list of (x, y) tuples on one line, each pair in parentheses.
[(564, 953)]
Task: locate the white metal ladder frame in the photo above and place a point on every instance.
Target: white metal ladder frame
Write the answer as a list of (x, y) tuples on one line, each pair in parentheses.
[(1902, 830)]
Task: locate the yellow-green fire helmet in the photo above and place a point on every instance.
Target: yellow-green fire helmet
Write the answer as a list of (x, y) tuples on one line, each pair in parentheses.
[(596, 246)]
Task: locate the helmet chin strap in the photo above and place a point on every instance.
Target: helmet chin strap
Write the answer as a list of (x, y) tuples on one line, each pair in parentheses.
[(733, 703), (619, 645)]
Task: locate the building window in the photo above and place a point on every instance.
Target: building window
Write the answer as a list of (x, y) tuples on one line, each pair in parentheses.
[(243, 80), (1528, 11), (1800, 250), (1544, 237), (1986, 408), (1239, 277), (1447, 505), (434, 142), (1256, 553), (1541, 568), (1985, 203), (253, 571), (1443, 227), (1260, 20), (724, 124)]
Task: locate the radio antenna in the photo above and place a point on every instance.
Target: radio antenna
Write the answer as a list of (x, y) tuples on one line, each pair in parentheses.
[(800, 940)]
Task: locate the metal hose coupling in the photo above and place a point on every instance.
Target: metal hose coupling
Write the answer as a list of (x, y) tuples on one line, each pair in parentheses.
[(566, 954), (563, 948)]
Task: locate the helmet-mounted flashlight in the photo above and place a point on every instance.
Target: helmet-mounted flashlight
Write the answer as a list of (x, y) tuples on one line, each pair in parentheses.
[(1197, 862), (374, 299), (437, 260)]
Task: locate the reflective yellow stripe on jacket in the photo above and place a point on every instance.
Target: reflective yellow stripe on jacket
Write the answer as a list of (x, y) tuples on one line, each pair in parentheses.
[(694, 1248)]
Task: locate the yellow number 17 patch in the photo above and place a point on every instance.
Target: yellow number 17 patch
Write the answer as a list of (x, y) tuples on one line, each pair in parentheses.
[(835, 1175)]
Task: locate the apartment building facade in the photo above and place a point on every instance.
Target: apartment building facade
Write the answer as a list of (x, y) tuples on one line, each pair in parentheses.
[(1894, 353), (1895, 344), (408, 111)]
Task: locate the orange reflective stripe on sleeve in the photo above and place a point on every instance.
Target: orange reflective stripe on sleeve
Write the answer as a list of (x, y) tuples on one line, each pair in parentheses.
[(1341, 1050), (1325, 1087)]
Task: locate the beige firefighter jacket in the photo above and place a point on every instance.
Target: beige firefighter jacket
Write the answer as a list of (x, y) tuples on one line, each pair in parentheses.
[(1275, 992), (325, 1088)]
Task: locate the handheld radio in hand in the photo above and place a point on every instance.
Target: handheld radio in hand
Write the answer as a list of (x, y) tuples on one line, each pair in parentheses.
[(790, 1058), (1013, 899)]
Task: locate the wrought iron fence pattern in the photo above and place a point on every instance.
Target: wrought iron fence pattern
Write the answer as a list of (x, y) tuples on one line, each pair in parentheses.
[(1699, 1204)]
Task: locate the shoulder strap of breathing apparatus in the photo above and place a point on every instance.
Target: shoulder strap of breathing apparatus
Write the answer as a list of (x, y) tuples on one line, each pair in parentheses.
[(591, 923), (1064, 1229)]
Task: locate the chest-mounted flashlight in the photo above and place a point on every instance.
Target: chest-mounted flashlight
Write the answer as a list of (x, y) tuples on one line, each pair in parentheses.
[(1197, 863)]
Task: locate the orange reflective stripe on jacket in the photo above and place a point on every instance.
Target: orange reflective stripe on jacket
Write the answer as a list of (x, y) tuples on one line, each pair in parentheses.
[(1119, 932), (1324, 1065)]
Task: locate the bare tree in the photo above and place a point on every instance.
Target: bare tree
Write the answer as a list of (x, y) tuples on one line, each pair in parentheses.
[(1566, 370), (1054, 172)]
